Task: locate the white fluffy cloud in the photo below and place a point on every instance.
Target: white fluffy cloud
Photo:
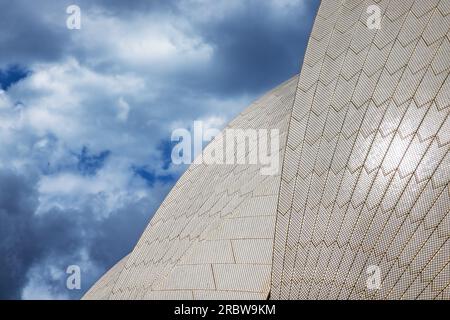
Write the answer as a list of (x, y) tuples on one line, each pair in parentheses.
[(158, 43)]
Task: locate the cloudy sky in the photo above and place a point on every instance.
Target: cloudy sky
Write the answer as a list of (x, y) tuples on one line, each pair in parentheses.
[(86, 118)]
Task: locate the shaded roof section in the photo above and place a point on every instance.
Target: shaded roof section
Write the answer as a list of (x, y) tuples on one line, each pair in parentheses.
[(212, 237)]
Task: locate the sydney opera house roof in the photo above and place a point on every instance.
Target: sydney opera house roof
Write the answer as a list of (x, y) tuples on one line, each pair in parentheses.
[(364, 181)]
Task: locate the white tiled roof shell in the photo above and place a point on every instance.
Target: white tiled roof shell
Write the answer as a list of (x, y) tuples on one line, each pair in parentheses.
[(212, 237), (366, 171)]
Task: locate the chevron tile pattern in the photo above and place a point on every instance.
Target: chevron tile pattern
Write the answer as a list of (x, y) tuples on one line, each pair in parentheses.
[(365, 140), (366, 172), (212, 238), (102, 289)]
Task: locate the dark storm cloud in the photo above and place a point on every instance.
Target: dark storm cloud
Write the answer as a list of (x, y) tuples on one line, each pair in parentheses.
[(26, 36), (55, 239), (256, 49), (18, 248)]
